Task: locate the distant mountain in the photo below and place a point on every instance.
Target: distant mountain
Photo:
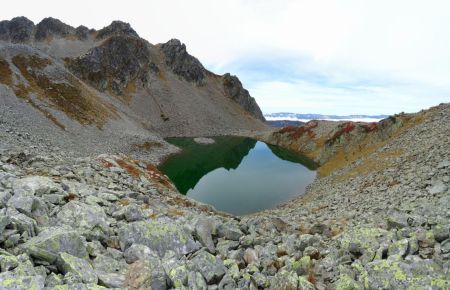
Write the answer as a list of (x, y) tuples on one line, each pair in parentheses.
[(285, 116), (283, 123)]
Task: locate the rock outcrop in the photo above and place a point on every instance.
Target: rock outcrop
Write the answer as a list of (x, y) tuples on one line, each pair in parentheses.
[(234, 89), (17, 30), (182, 63), (117, 64)]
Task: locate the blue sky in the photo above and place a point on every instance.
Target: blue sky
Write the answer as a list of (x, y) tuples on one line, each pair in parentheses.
[(329, 57)]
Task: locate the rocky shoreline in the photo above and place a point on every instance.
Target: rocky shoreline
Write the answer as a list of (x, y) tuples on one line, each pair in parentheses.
[(114, 221)]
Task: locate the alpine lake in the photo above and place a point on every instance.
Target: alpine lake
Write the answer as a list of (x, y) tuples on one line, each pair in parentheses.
[(238, 175)]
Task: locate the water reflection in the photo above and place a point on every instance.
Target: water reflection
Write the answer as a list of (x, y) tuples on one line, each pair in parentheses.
[(238, 175)]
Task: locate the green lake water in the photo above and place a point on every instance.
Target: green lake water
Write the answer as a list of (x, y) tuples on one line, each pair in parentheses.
[(238, 175)]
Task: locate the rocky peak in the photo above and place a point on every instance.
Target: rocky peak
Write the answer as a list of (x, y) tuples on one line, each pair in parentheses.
[(234, 89), (82, 32), (116, 63), (116, 28), (181, 62), (16, 30), (52, 27)]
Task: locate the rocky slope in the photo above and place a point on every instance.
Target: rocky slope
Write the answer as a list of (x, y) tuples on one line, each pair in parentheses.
[(110, 83), (382, 221)]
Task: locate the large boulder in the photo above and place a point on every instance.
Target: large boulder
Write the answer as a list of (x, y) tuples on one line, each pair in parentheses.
[(12, 281), (34, 186), (210, 266), (55, 240), (158, 236), (146, 275), (67, 263), (83, 217)]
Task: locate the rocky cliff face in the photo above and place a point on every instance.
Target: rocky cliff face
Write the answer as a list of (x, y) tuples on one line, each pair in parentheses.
[(144, 87)]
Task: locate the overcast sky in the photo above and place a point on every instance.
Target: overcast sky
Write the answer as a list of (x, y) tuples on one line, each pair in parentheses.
[(340, 57)]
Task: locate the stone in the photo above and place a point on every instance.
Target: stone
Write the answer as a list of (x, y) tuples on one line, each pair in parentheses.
[(204, 229), (229, 231), (304, 284), (158, 236), (399, 248), (34, 186), (346, 282), (196, 281), (83, 216), (80, 267), (441, 233), (397, 220), (139, 252), (445, 246), (111, 280), (312, 252), (104, 264), (134, 213), (210, 266), (52, 241), (23, 204), (302, 266), (146, 275), (250, 256), (225, 246), (8, 262), (9, 280), (437, 187), (53, 280), (284, 280), (305, 241)]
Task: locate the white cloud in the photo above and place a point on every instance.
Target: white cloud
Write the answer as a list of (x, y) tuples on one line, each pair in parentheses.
[(404, 43)]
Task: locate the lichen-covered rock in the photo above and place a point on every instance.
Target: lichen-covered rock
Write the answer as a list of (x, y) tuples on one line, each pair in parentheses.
[(8, 262), (210, 266), (346, 282), (304, 284), (400, 247), (83, 217), (182, 63), (146, 275), (53, 241), (392, 274), (284, 280), (34, 186), (139, 252), (196, 281), (80, 267), (158, 236), (229, 231), (364, 239), (12, 281)]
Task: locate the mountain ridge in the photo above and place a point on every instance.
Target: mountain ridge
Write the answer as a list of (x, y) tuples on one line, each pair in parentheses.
[(136, 87)]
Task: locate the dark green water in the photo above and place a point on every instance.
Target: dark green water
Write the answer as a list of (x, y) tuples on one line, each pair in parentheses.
[(238, 175)]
